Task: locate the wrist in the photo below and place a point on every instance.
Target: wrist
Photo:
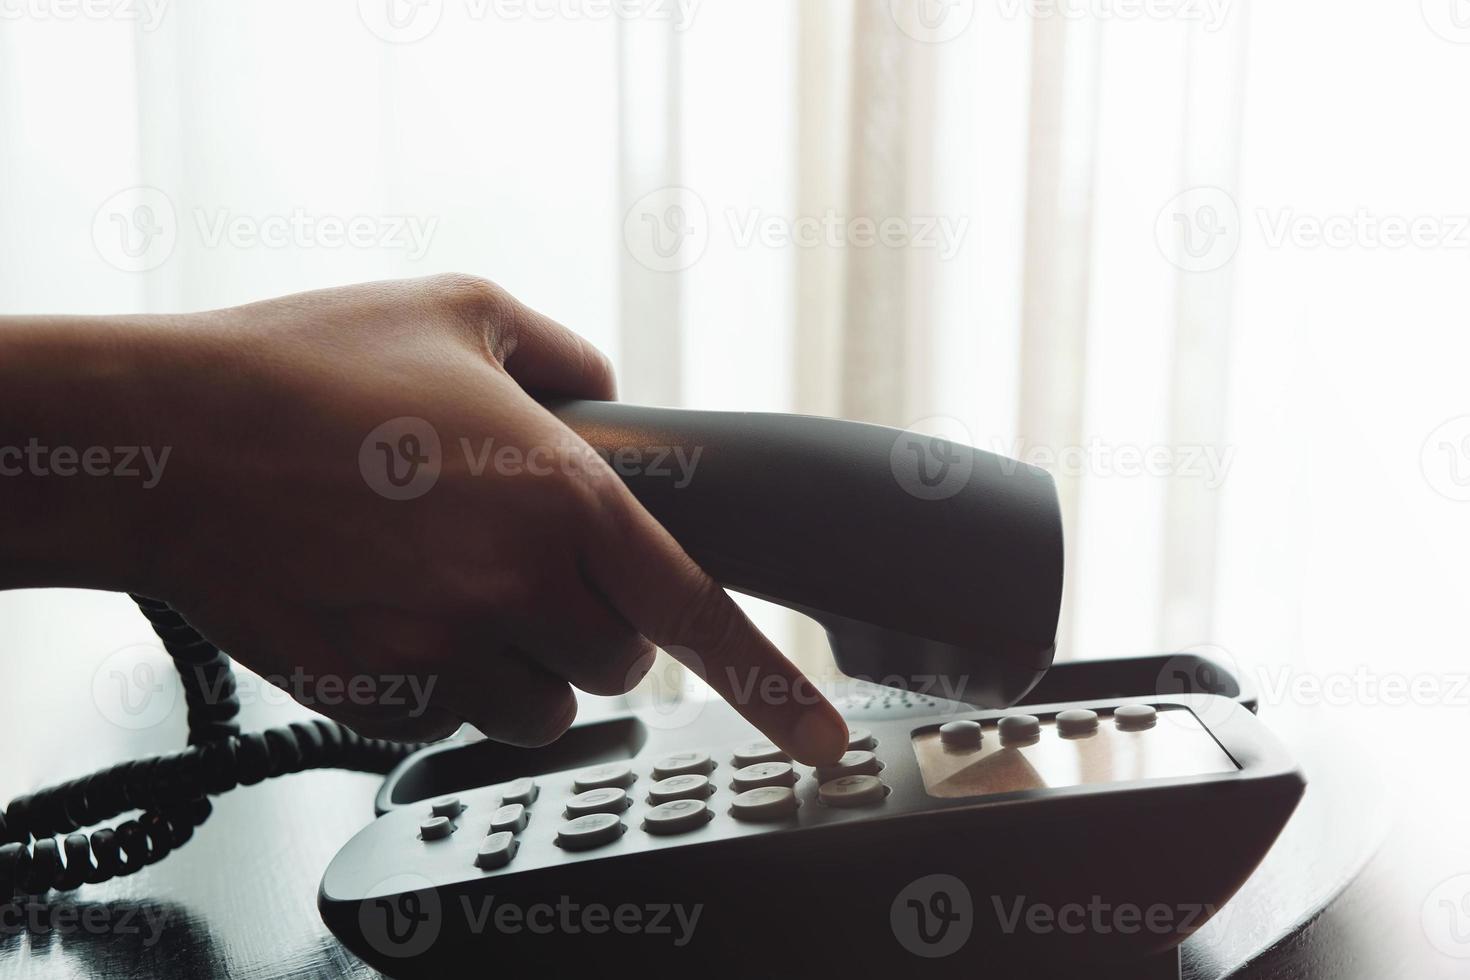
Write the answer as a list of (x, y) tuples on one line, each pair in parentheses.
[(85, 450)]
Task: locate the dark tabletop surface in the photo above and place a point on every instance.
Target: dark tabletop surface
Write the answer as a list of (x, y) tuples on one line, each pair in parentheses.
[(239, 899)]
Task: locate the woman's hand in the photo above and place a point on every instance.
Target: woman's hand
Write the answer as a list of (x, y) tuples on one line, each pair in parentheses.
[(360, 488)]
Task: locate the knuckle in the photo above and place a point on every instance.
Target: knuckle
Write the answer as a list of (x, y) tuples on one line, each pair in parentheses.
[(592, 484), (557, 711), (709, 622), (596, 366), (482, 306), (620, 670)]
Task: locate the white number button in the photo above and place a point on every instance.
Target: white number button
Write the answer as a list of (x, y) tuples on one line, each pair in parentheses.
[(677, 816), (1136, 717), (859, 763), (689, 786), (592, 830), (683, 764), (604, 776), (765, 803), (852, 791), (608, 799), (763, 774)]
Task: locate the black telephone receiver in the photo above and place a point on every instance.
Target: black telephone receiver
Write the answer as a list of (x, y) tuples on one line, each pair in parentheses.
[(923, 559)]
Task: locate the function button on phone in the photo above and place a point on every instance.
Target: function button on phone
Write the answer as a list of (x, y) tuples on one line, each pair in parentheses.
[(521, 790), (496, 850), (861, 738), (1019, 728), (860, 763), (1076, 722), (764, 803), (590, 830), (677, 816), (753, 752), (852, 791), (436, 828), (1136, 717), (605, 799), (512, 817), (446, 806), (683, 764), (763, 774), (689, 786), (616, 775), (960, 734)]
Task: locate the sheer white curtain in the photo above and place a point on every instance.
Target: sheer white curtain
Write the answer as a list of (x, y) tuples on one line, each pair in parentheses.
[(1073, 204)]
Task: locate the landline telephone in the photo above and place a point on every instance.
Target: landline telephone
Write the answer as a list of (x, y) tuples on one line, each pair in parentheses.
[(923, 559)]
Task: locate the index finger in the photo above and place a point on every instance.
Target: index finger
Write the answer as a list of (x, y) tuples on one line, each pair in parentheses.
[(668, 598)]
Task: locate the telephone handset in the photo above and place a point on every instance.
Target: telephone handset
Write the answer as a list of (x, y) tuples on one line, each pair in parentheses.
[(922, 559)]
